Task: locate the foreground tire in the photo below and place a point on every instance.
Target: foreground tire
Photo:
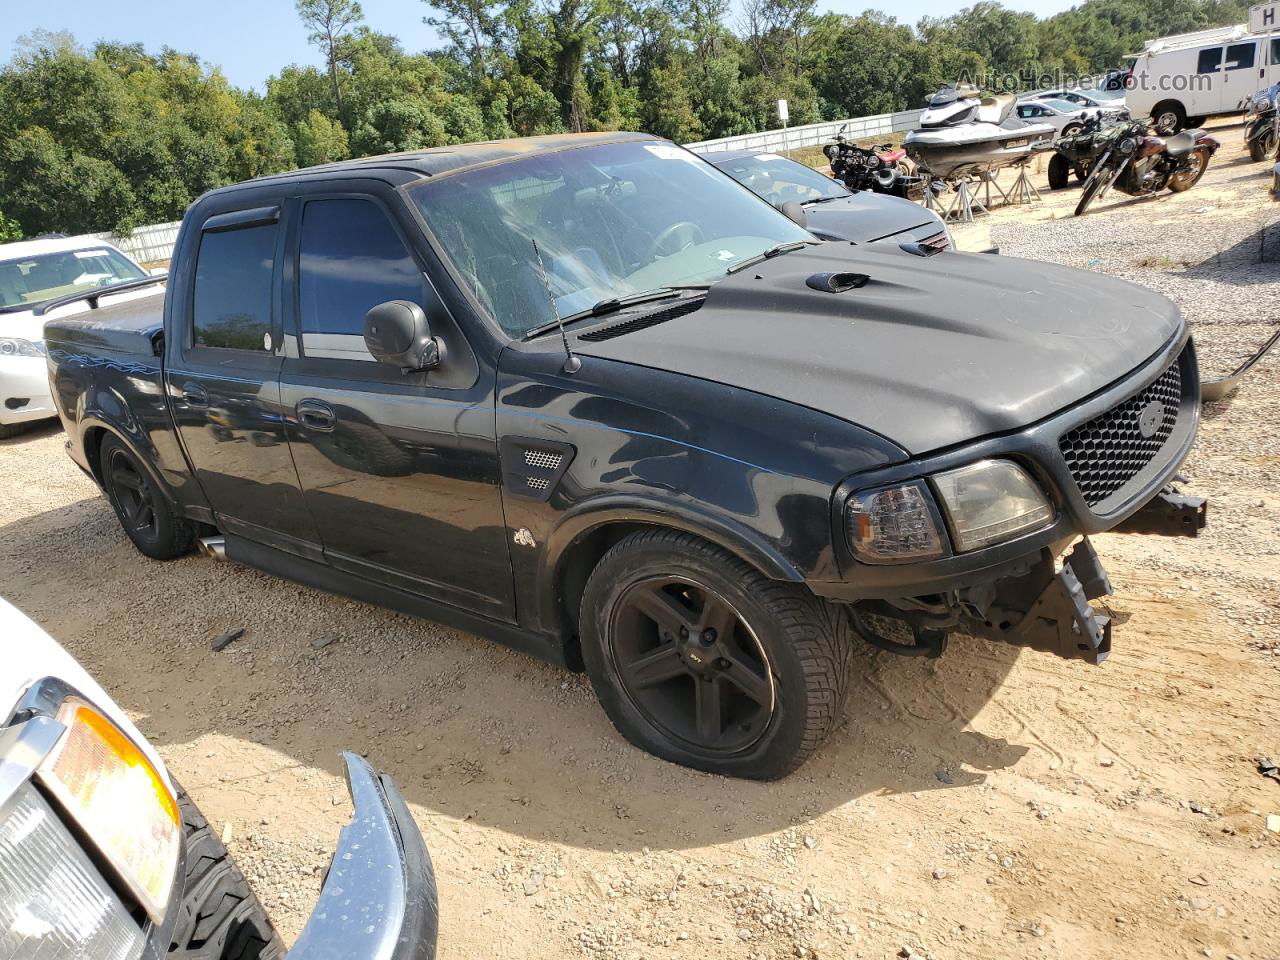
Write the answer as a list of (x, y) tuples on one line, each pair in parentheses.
[(219, 917), (1187, 180), (145, 513), (699, 659)]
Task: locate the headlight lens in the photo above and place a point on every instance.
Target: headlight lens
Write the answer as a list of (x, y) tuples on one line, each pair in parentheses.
[(991, 501), (17, 347), (56, 903), (894, 524), (1128, 145), (111, 790)]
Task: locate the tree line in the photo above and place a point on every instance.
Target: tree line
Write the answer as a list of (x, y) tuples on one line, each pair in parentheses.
[(113, 136)]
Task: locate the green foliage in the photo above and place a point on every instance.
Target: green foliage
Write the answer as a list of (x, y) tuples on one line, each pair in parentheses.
[(115, 136), (9, 229)]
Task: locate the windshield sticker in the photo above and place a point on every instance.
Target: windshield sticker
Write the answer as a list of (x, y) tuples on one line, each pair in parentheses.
[(667, 151), (768, 156), (725, 255), (90, 254)]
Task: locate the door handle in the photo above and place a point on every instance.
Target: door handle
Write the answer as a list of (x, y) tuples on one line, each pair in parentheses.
[(194, 395), (316, 415)]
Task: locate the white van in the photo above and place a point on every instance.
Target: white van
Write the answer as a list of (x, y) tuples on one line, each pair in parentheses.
[(1180, 80)]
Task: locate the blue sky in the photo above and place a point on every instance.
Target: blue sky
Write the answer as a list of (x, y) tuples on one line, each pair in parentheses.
[(251, 39)]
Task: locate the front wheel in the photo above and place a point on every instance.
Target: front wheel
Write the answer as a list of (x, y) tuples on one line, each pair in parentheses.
[(1263, 146), (1197, 164), (701, 660), (145, 513), (1059, 172), (219, 918), (1098, 181)]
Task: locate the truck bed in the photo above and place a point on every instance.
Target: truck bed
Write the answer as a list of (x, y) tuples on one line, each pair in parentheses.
[(134, 326)]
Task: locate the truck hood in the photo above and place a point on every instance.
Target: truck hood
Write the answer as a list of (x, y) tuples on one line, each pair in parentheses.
[(930, 352), (865, 216)]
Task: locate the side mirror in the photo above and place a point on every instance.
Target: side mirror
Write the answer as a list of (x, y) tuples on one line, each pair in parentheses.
[(793, 211), (397, 332)]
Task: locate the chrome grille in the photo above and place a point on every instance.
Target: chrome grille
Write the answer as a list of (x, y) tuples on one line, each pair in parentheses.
[(1104, 454)]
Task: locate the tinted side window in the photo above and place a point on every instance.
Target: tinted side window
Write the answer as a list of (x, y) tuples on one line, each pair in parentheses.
[(233, 288), (1210, 60), (350, 259), (1275, 50), (1240, 55)]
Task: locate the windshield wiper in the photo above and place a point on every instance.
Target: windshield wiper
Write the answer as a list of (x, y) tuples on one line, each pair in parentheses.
[(836, 196), (776, 250), (613, 305)]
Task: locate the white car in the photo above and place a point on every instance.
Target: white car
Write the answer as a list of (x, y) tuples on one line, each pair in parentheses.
[(1066, 118), (35, 275)]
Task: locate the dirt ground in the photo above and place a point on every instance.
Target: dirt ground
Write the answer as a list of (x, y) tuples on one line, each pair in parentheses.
[(989, 805)]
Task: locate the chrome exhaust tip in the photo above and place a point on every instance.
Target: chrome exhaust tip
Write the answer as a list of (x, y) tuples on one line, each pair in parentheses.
[(214, 547)]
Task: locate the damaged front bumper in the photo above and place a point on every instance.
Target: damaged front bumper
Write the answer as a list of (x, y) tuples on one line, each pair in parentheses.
[(379, 897)]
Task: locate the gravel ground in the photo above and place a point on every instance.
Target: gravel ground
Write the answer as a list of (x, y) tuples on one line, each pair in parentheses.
[(988, 805)]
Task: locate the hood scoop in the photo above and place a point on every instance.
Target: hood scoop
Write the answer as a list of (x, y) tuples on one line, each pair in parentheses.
[(623, 327), (836, 282)]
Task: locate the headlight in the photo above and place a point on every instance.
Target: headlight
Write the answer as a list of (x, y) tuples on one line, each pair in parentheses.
[(872, 162), (17, 347), (831, 150), (895, 524), (990, 501), (55, 902), (116, 797), (1128, 145)]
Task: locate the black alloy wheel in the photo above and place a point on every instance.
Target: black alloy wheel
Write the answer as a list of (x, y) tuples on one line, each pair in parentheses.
[(132, 494), (698, 658), (145, 513), (691, 665)]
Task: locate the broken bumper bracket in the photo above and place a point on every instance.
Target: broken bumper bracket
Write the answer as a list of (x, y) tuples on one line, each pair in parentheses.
[(1168, 514), (1061, 621)]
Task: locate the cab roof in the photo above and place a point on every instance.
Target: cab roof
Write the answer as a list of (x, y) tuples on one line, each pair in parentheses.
[(436, 161)]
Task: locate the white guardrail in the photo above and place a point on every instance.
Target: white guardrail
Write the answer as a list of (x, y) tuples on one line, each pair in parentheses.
[(152, 243), (147, 244), (813, 134)]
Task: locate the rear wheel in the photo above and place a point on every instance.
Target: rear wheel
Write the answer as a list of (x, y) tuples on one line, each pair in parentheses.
[(1098, 181), (1197, 164), (1059, 172), (1169, 117), (141, 506), (219, 918), (699, 659)]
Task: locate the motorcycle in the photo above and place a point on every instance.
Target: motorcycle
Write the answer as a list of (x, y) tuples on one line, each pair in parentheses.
[(880, 168), (1262, 123), (1077, 152), (1139, 163)]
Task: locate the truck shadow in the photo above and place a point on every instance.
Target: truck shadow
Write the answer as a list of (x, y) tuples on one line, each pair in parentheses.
[(468, 729)]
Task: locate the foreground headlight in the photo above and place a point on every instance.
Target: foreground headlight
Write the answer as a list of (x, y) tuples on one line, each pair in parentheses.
[(1128, 145), (895, 524), (17, 347), (54, 901), (990, 501), (116, 797)]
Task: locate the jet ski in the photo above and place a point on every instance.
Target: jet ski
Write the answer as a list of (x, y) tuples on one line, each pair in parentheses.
[(961, 133)]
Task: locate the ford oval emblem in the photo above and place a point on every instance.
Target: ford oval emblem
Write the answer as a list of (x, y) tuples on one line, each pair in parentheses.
[(1149, 419)]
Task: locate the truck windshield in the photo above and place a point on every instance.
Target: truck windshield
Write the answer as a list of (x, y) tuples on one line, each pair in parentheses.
[(28, 281), (608, 221), (780, 180)]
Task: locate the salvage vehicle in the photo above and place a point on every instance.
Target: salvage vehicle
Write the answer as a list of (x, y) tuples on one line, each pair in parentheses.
[(881, 167), (1139, 163), (829, 209), (587, 395), (103, 856), (36, 277), (1261, 119)]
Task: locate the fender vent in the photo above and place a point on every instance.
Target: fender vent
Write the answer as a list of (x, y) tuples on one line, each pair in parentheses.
[(639, 323), (532, 468)]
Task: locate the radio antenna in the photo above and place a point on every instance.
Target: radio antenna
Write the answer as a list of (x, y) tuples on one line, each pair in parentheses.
[(572, 364)]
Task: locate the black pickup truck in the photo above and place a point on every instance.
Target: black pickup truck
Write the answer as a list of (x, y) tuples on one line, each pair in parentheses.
[(590, 397)]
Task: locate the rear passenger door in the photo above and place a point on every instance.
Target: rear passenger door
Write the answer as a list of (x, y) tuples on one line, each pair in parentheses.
[(223, 375), (1240, 73), (400, 470)]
